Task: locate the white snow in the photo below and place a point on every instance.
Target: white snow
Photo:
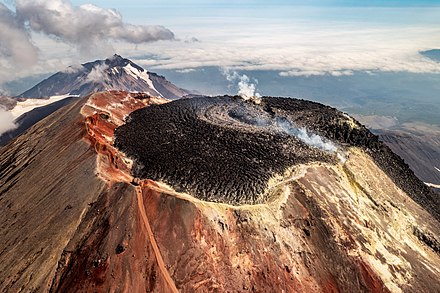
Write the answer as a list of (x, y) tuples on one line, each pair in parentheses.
[(140, 75), (30, 104), (432, 184), (437, 169)]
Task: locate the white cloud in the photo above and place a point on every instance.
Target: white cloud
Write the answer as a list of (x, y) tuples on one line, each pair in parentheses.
[(186, 70), (85, 26), (284, 40), (305, 47), (15, 44), (97, 74), (6, 121)]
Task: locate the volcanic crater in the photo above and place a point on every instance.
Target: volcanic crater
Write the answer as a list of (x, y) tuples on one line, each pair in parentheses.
[(220, 149)]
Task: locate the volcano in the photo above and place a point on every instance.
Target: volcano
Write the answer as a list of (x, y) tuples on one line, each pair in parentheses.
[(140, 193), (114, 73), (60, 89)]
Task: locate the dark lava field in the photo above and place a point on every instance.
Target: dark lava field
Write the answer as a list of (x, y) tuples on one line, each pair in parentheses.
[(225, 149)]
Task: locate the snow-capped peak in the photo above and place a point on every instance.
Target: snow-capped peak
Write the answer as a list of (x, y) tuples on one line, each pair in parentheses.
[(115, 73)]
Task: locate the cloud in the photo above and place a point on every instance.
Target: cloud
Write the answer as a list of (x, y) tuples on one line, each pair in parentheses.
[(295, 42), (37, 34), (186, 70), (191, 40), (6, 121), (290, 40), (73, 69), (15, 42), (84, 26), (97, 74)]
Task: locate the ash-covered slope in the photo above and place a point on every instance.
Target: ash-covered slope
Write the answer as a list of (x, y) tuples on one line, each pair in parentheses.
[(115, 73), (421, 150), (330, 219), (29, 118)]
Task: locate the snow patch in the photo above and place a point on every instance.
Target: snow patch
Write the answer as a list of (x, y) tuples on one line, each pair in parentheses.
[(30, 104), (432, 184), (437, 169), (138, 74)]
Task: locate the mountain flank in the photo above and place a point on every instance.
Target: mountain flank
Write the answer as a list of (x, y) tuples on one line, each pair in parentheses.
[(93, 221)]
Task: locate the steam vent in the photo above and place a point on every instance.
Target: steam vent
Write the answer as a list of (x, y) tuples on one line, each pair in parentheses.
[(220, 149), (211, 194), (226, 149)]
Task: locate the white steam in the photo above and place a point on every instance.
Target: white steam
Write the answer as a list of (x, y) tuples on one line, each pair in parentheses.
[(6, 121), (310, 139), (73, 69), (97, 74), (246, 88)]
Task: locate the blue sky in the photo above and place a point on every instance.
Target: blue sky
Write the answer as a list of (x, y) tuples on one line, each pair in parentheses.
[(116, 3)]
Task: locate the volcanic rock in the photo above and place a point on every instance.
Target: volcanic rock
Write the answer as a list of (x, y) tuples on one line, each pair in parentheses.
[(74, 218)]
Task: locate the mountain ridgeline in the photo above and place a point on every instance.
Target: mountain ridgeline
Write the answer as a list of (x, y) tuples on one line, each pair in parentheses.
[(115, 73)]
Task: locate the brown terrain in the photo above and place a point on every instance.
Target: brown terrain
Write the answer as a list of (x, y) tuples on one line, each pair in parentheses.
[(74, 219)]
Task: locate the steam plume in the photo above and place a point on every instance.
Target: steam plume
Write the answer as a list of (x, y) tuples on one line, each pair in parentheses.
[(312, 139), (246, 89)]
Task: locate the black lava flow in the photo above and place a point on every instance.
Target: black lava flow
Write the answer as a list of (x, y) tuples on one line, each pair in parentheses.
[(217, 149), (224, 149)]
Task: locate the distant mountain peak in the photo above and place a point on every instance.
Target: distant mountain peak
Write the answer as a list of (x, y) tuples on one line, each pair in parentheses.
[(113, 73)]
